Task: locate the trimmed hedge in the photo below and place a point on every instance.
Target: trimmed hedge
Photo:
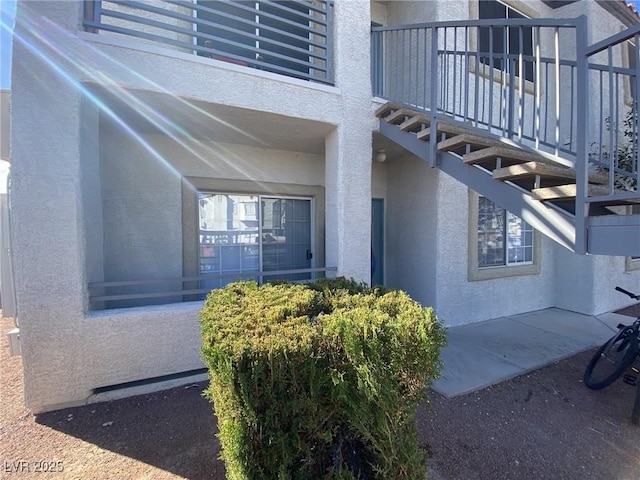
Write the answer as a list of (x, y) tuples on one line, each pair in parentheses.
[(320, 380)]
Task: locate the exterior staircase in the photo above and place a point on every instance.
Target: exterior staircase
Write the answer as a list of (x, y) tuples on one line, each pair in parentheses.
[(539, 187)]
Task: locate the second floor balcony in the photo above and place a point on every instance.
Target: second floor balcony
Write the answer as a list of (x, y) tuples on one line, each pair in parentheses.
[(292, 38)]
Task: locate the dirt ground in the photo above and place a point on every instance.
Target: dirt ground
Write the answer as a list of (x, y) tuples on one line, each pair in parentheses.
[(544, 425)]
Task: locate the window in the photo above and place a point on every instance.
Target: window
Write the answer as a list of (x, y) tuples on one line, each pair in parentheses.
[(501, 244), (503, 238), (242, 233), (501, 47)]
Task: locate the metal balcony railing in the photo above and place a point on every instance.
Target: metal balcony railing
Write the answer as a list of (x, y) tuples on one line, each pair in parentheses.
[(292, 37)]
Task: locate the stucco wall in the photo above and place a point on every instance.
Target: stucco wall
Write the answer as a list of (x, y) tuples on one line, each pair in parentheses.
[(135, 195), (609, 273), (586, 283), (142, 223), (5, 122), (411, 228), (379, 174), (206, 158), (47, 232), (460, 301)]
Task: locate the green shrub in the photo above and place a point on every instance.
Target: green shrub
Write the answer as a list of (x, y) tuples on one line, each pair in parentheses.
[(320, 380)]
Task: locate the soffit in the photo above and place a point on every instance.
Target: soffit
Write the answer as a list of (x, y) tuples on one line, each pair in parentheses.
[(152, 113)]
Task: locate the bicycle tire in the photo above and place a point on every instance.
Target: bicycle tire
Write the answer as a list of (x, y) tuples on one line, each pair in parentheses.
[(612, 359)]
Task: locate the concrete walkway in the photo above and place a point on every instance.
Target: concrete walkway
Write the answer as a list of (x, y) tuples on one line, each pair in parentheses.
[(486, 353)]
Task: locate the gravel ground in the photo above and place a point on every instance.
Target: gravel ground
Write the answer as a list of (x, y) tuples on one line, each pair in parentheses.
[(544, 425)]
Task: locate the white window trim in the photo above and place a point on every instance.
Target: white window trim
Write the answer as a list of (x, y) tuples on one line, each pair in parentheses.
[(476, 273), (485, 71)]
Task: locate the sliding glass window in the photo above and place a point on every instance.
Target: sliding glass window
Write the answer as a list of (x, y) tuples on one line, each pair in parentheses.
[(240, 234)]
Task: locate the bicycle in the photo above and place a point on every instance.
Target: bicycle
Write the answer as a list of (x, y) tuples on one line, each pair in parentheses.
[(616, 355)]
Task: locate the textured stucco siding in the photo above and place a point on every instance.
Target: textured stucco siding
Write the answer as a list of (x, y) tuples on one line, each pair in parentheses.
[(586, 284), (205, 158), (411, 223), (460, 301), (95, 183), (142, 224), (93, 202)]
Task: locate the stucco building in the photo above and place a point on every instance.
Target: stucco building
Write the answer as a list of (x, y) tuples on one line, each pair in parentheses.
[(162, 149)]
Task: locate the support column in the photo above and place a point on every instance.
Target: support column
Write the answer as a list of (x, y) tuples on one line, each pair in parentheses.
[(46, 200), (348, 147)]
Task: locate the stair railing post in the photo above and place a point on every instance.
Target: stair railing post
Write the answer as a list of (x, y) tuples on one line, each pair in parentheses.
[(582, 155), (433, 137), (511, 97)]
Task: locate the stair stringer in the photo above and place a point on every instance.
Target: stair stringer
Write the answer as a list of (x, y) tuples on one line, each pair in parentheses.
[(548, 220)]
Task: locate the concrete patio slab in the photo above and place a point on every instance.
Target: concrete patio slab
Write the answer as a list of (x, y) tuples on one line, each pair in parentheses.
[(467, 368), (613, 319), (486, 353), (589, 330)]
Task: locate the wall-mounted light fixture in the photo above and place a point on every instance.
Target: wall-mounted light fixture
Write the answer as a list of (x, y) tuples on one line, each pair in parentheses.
[(381, 155)]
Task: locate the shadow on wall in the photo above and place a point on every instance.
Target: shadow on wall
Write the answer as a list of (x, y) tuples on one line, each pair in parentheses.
[(173, 430)]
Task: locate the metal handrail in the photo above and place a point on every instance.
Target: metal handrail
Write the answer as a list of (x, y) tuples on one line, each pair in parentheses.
[(187, 291), (454, 68)]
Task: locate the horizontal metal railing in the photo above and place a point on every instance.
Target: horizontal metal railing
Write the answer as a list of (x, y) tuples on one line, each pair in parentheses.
[(292, 38), (191, 288)]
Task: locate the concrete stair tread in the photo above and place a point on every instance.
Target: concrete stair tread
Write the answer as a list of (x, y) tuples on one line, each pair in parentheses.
[(547, 170), (512, 155), (397, 117), (415, 123), (386, 109), (569, 191), (465, 138), (452, 131)]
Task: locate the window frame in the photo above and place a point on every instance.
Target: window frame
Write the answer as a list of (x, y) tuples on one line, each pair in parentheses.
[(498, 74), (191, 217), (259, 219), (477, 273)]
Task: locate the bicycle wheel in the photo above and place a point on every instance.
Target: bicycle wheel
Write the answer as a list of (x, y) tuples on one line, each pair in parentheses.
[(612, 359)]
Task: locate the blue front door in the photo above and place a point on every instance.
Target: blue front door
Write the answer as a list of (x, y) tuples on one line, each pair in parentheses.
[(377, 241)]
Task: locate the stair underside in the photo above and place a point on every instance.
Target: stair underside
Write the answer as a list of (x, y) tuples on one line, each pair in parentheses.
[(540, 177), (549, 179)]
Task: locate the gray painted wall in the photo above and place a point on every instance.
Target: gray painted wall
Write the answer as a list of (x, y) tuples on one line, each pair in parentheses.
[(411, 222), (142, 222)]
